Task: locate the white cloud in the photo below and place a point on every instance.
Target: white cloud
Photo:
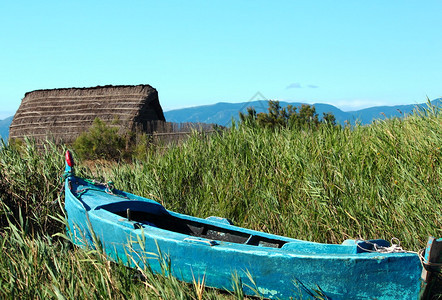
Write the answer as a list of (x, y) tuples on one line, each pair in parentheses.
[(295, 85)]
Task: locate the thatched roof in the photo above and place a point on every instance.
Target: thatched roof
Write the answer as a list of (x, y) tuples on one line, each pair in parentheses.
[(63, 114)]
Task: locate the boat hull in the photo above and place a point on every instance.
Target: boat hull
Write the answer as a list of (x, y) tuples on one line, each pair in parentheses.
[(273, 266)]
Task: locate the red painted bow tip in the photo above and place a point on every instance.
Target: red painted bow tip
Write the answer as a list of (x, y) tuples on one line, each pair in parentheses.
[(69, 159)]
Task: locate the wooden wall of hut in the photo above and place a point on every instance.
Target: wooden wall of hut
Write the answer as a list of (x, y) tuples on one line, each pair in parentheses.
[(170, 132)]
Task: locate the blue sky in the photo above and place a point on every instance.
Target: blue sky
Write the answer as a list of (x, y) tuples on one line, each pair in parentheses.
[(351, 54)]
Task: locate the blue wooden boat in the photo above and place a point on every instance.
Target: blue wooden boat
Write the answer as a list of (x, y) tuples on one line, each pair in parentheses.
[(132, 229)]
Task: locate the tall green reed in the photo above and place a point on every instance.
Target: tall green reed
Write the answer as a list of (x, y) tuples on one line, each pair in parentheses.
[(376, 181), (30, 181)]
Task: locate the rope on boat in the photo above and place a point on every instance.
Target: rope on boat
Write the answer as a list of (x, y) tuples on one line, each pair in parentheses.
[(108, 185), (394, 248)]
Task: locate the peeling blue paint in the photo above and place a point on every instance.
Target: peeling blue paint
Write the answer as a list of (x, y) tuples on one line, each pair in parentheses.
[(266, 292)]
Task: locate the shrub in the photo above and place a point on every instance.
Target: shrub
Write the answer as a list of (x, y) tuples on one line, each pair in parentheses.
[(100, 141), (303, 117)]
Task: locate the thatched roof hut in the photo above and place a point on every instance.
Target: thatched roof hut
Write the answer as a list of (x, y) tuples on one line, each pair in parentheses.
[(63, 114)]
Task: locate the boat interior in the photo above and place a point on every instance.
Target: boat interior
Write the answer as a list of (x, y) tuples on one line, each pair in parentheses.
[(161, 218)]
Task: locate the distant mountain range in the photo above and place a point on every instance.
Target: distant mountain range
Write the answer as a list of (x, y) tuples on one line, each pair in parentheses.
[(4, 127), (222, 113)]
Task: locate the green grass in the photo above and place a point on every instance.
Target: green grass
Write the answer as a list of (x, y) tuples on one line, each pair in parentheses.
[(377, 181)]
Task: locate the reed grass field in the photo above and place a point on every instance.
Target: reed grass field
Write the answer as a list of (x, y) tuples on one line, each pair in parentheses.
[(377, 181)]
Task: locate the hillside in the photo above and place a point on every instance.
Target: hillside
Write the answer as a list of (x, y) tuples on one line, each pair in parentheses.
[(4, 127), (222, 113)]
